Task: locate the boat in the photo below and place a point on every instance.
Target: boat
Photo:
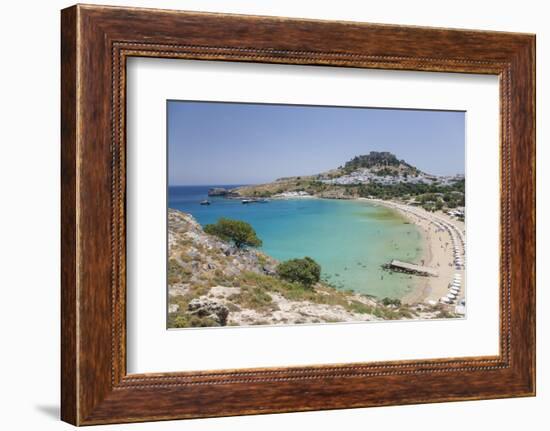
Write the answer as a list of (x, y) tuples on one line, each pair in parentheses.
[(255, 201), (205, 202)]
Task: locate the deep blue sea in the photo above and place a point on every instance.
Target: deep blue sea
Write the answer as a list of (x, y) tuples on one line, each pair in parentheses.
[(349, 239)]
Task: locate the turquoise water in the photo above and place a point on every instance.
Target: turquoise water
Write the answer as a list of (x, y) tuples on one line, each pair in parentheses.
[(349, 239)]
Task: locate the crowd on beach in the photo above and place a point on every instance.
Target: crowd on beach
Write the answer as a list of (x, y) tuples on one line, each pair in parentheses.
[(450, 290)]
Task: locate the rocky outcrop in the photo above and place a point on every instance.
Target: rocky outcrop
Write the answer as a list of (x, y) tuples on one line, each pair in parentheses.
[(220, 191), (204, 307)]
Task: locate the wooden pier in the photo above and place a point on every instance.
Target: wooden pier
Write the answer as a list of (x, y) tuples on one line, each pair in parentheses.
[(410, 268)]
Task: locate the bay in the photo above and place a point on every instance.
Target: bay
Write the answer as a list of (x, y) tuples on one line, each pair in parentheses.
[(350, 239)]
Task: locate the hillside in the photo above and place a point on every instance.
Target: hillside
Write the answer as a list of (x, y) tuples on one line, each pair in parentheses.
[(377, 174), (211, 283)]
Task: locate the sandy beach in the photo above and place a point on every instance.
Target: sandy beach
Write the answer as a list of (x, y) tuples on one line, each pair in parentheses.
[(443, 251)]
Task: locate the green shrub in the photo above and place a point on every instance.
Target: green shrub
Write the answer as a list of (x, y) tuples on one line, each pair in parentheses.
[(359, 307), (176, 273), (237, 231), (444, 314), (391, 301), (305, 271), (186, 320)]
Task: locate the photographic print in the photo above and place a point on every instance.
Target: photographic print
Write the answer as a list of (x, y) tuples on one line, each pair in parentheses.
[(294, 210), (293, 214)]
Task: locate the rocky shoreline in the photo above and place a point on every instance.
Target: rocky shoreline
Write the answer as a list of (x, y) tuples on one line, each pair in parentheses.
[(212, 283)]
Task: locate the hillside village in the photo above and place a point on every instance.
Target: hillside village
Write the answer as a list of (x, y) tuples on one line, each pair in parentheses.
[(375, 175)]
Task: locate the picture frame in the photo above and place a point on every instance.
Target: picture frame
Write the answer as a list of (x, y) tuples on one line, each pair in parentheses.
[(96, 42)]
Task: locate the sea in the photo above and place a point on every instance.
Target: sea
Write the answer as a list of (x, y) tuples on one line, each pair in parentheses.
[(349, 239)]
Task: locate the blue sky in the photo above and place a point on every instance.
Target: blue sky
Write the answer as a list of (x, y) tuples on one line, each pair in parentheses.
[(233, 143)]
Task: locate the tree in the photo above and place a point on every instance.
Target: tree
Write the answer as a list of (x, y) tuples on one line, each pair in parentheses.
[(305, 271), (237, 231)]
